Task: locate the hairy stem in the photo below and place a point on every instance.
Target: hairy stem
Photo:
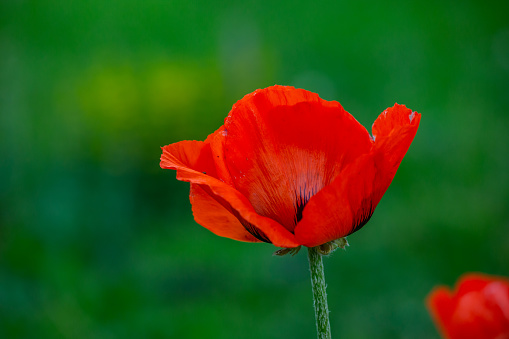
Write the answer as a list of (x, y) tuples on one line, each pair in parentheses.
[(319, 294)]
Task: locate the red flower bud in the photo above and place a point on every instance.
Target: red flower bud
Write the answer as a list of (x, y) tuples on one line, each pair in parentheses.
[(477, 308)]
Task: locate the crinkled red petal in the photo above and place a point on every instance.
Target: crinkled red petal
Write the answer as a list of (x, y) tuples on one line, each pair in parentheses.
[(393, 131), (216, 141), (337, 209), (345, 205), (209, 213), (283, 145), (195, 163)]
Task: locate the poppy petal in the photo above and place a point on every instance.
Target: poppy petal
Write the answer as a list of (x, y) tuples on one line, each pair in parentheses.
[(393, 131), (210, 214), (191, 154), (216, 145), (194, 163), (338, 208), (393, 118), (345, 205), (283, 145), (471, 283), (441, 307)]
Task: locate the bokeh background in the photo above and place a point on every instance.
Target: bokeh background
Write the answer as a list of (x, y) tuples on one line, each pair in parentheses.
[(96, 241)]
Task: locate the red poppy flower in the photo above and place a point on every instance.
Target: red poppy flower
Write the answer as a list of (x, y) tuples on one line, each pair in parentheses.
[(290, 168), (477, 308)]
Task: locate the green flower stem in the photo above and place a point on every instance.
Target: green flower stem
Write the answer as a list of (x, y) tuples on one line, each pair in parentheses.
[(319, 294)]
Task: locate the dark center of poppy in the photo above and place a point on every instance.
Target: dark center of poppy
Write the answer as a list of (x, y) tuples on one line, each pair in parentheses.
[(302, 197)]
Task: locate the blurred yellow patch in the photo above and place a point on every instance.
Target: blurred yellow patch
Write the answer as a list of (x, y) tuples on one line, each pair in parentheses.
[(172, 87), (119, 98), (110, 96)]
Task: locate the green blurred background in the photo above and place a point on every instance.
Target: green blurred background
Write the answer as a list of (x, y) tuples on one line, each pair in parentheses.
[(96, 241)]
